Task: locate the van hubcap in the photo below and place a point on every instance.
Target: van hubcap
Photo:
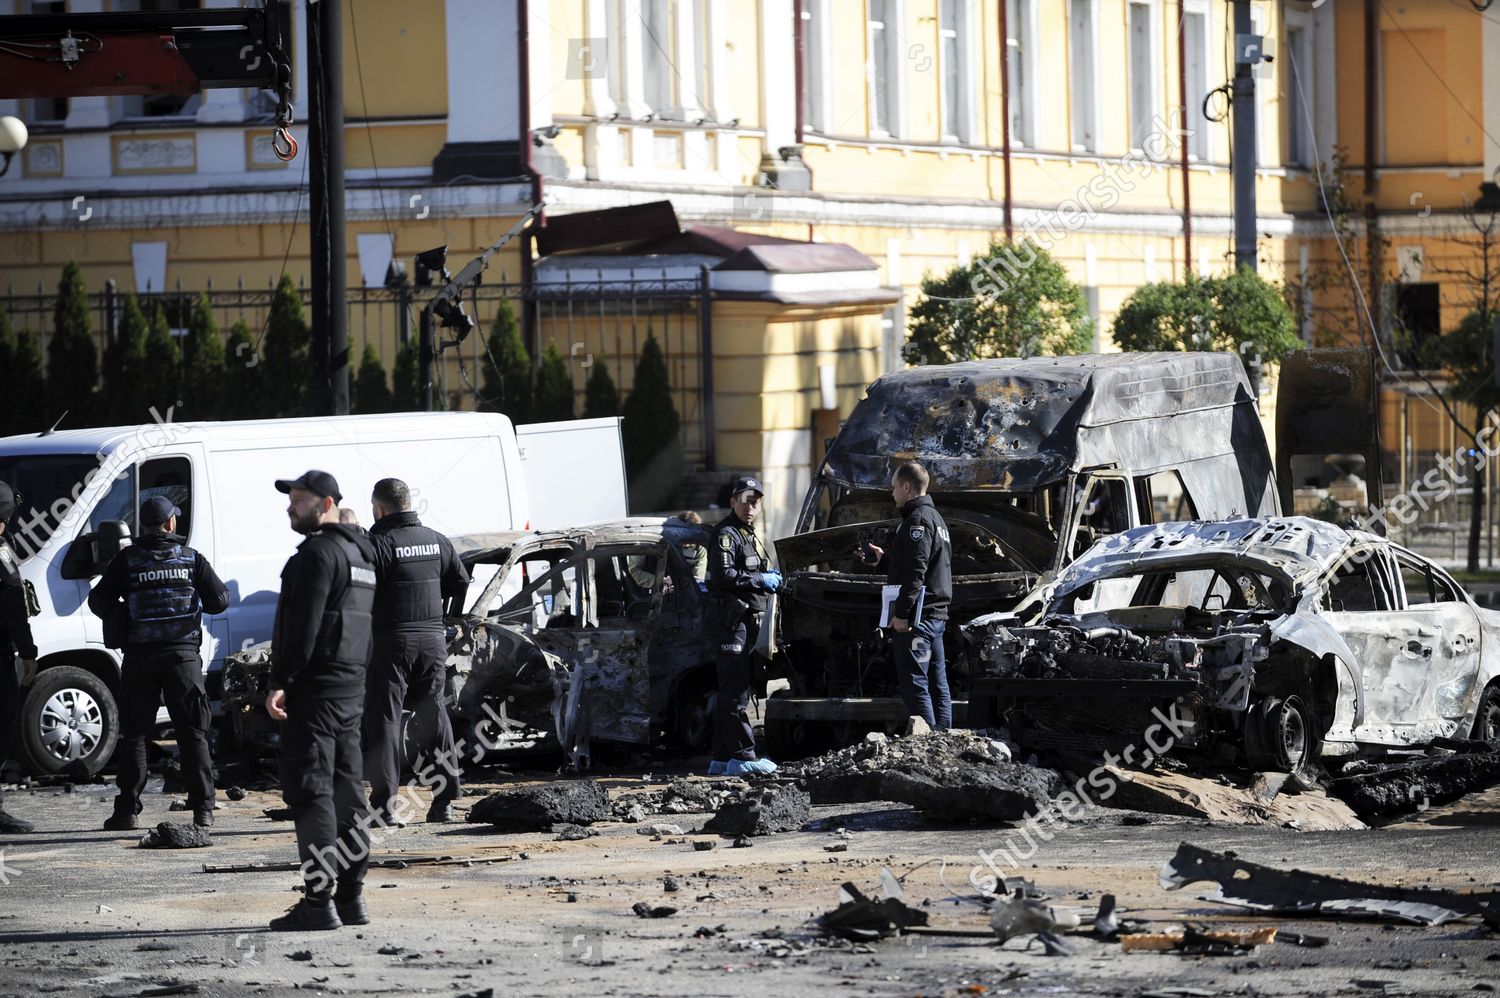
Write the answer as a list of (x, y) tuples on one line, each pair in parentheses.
[(72, 724)]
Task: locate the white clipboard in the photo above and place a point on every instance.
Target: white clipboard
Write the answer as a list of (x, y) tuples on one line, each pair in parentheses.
[(888, 597)]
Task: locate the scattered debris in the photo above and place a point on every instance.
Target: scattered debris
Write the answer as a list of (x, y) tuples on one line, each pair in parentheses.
[(645, 910), (1251, 885), (762, 811), (836, 847), (1018, 915), (659, 831), (861, 919), (574, 833), (670, 885), (1430, 782), (741, 842), (278, 813), (1195, 941), (538, 808), (1199, 797), (1051, 945), (953, 774), (381, 863), (1302, 939), (301, 955), (703, 845), (235, 793), (172, 835)]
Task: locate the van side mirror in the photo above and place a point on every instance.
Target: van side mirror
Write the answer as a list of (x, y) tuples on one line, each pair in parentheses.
[(90, 554)]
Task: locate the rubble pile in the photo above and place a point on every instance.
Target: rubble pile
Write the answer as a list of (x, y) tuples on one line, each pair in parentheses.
[(952, 774), (682, 796), (175, 835), (1385, 792), (762, 811), (537, 809)]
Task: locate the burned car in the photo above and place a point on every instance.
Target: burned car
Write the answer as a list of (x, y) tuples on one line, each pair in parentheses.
[(1274, 640), (1031, 461), (576, 636)]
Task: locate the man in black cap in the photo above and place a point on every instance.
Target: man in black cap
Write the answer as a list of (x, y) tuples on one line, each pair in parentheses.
[(159, 589), (320, 647), (417, 570), (739, 578), (15, 637)]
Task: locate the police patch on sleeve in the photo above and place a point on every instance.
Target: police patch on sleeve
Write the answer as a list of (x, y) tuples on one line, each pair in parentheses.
[(917, 533), (725, 542)]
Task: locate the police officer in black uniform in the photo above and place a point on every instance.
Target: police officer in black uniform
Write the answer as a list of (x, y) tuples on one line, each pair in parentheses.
[(153, 595), (920, 558), (320, 647), (15, 639), (417, 570), (739, 578)]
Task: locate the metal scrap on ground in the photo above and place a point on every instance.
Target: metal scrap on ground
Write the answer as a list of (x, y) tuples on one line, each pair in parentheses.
[(1251, 885)]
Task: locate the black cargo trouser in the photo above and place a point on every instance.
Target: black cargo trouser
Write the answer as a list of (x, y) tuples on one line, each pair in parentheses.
[(10, 707), (150, 677), (733, 736), (408, 670), (321, 783)]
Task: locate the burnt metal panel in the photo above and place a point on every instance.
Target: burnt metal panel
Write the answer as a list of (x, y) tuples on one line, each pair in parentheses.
[(1326, 404)]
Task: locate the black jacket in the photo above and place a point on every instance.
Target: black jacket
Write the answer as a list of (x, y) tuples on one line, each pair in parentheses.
[(111, 594), (920, 554), (416, 569), (321, 640), (735, 563), (15, 622)]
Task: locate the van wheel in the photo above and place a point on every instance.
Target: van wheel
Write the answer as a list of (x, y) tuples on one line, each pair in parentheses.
[(68, 719), (1279, 735), (1487, 717)]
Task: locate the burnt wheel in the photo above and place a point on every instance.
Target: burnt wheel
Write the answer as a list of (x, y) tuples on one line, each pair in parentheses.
[(1487, 717), (1279, 734)]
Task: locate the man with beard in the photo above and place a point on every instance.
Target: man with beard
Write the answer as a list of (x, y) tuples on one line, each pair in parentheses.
[(153, 596), (320, 648)]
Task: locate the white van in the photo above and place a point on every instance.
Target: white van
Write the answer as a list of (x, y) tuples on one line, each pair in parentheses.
[(80, 490)]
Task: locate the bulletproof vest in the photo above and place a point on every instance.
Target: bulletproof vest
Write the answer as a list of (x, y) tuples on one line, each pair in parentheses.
[(160, 596), (345, 635), (409, 560)]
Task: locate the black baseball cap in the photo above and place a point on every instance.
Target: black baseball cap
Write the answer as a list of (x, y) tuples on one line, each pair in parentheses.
[(317, 482), (157, 510), (746, 483)]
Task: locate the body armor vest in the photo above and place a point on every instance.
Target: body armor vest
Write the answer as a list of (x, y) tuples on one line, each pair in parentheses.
[(161, 597)]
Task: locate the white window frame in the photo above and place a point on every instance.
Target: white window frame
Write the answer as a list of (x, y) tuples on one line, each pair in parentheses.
[(1301, 118), (817, 51), (1083, 75), (658, 58), (1140, 130), (1025, 108), (888, 36), (964, 128), (1200, 144)]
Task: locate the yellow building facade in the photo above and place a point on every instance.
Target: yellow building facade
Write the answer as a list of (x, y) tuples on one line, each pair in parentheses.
[(918, 132)]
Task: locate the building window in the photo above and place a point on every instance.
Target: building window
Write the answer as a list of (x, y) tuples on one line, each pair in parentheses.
[(1297, 95), (1143, 67), (815, 55), (1020, 19), (1081, 53), (1195, 29), (1418, 318), (884, 66), (703, 50), (948, 42), (656, 25)]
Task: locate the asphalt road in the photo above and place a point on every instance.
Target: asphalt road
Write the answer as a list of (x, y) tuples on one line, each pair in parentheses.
[(88, 912)]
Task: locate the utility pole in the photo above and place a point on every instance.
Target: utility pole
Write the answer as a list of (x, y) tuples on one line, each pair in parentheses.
[(330, 332), (1247, 54)]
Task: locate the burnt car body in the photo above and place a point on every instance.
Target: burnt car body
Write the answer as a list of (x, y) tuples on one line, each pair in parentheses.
[(578, 635), (1031, 460), (1275, 640)]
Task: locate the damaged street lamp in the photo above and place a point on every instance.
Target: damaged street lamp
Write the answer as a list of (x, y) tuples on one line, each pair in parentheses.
[(447, 305)]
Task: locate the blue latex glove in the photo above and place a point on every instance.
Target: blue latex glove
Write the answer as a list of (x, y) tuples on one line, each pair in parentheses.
[(771, 580)]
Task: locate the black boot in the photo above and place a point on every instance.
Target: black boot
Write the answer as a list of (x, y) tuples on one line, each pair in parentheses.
[(120, 821), (440, 813), (352, 909), (203, 817), (308, 916), (13, 825)]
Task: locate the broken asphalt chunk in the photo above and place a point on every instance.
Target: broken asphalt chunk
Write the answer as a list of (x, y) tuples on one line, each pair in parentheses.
[(1251, 885), (538, 808), (174, 835), (1419, 785), (762, 811), (645, 910)]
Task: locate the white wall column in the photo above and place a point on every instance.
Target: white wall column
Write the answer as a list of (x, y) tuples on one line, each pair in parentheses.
[(484, 111), (778, 53), (686, 63), (1490, 70)]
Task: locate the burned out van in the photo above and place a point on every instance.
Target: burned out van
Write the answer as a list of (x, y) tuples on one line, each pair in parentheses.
[(1031, 461)]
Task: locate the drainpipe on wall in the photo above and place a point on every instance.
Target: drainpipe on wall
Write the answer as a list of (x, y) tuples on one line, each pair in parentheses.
[(1372, 220), (1005, 115), (1187, 183), (530, 324), (799, 40)]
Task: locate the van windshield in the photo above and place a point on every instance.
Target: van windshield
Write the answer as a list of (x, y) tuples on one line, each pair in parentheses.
[(45, 486)]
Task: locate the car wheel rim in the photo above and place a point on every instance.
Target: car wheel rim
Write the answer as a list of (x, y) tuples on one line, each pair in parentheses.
[(71, 724), (1293, 735)]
